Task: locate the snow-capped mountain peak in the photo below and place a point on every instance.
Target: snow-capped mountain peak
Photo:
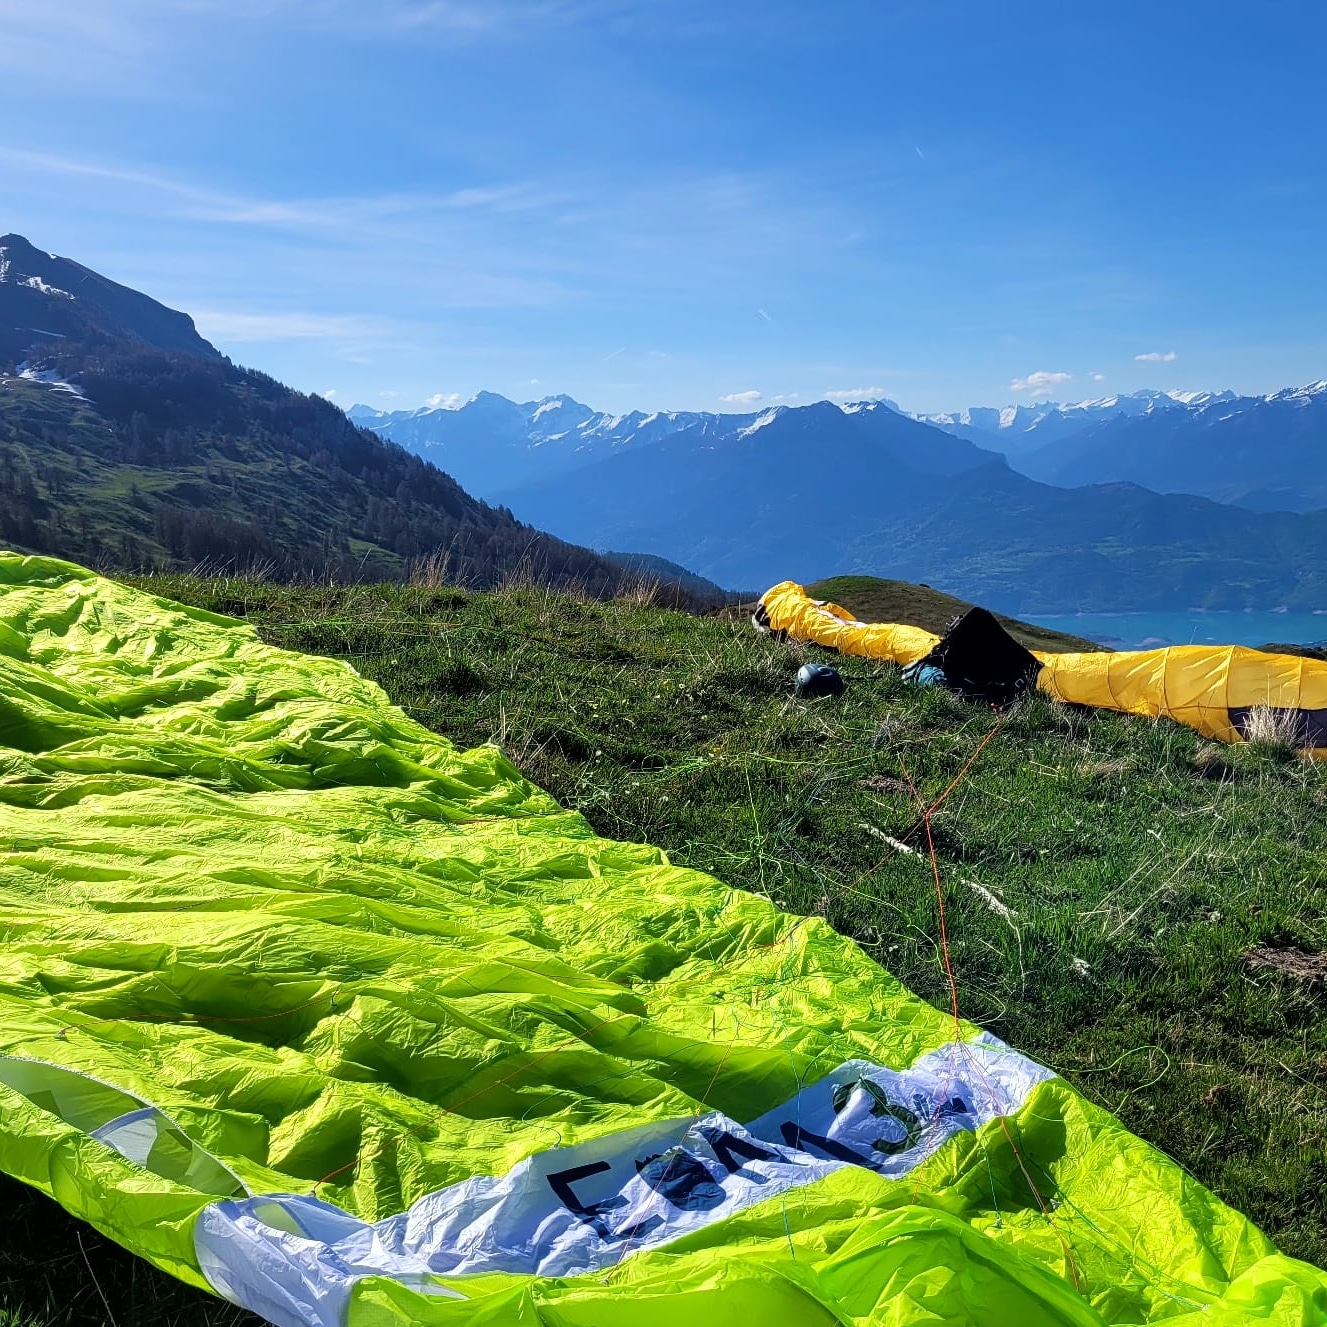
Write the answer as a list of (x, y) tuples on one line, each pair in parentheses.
[(866, 407), (1305, 395)]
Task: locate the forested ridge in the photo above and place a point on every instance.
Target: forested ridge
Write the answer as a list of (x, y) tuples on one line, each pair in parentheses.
[(173, 460)]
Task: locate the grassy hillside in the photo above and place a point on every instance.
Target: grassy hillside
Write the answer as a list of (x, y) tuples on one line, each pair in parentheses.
[(175, 460), (873, 599), (1104, 877)]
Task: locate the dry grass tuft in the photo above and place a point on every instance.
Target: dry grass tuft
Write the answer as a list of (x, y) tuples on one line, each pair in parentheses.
[(643, 591), (1115, 768), (1274, 728), (440, 569), (886, 783), (1292, 962)]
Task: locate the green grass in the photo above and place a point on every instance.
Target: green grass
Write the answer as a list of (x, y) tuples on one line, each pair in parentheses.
[(1138, 864)]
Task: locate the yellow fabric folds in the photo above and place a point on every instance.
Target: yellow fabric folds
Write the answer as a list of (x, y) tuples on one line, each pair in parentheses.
[(1206, 687), (793, 611), (1197, 685)]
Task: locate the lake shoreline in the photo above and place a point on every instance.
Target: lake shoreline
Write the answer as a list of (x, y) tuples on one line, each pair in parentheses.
[(1194, 626)]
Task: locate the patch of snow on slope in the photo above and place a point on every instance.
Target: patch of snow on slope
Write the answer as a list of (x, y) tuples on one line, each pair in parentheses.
[(35, 373), (767, 418), (36, 283)]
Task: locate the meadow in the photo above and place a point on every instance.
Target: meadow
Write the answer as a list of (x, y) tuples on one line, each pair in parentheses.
[(1140, 909)]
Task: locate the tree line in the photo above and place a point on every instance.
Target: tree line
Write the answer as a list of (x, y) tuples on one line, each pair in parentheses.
[(177, 460)]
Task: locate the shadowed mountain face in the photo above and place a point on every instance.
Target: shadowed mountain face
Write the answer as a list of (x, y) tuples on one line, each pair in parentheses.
[(45, 299), (810, 494)]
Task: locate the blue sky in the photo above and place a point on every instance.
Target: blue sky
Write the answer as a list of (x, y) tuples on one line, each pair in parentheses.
[(677, 203)]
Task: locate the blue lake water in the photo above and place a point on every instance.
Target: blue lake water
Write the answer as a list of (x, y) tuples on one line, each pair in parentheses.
[(1138, 631)]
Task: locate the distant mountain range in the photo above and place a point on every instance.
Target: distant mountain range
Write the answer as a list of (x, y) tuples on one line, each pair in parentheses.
[(1267, 453), (1018, 429), (130, 443), (493, 445), (823, 489)]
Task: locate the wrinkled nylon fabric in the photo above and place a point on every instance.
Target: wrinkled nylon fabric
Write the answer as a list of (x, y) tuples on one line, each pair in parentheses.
[(262, 934), (1202, 686)]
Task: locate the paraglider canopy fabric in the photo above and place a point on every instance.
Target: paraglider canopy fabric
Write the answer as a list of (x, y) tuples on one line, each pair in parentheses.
[(1222, 691), (315, 1011)]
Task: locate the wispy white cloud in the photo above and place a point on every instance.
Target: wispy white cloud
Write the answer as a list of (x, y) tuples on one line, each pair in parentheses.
[(443, 400), (49, 163), (95, 41), (462, 18), (242, 328), (350, 213), (525, 196), (1156, 357), (524, 243), (472, 246), (1039, 384), (90, 42), (195, 203), (1097, 377), (857, 394), (742, 398)]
